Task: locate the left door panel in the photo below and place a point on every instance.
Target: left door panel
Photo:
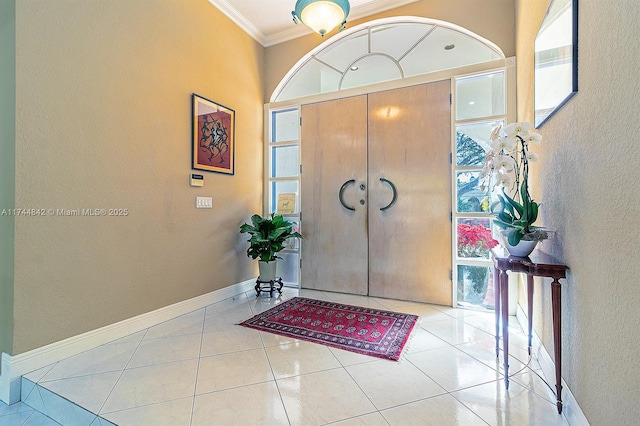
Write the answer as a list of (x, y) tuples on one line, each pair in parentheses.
[(334, 154)]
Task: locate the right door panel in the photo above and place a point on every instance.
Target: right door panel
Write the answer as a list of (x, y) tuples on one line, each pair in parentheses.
[(408, 147)]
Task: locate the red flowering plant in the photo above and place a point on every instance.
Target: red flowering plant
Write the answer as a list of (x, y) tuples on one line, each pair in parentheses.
[(474, 240)]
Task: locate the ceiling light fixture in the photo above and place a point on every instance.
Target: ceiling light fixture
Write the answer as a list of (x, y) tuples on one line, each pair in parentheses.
[(322, 16)]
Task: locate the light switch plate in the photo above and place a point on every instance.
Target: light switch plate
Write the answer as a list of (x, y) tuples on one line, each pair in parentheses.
[(204, 202)]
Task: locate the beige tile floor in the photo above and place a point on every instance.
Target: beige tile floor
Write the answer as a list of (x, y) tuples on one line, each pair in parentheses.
[(203, 369)]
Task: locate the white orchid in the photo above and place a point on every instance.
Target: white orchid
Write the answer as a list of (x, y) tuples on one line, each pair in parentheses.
[(510, 154), (533, 138), (504, 163), (507, 165), (503, 144), (517, 129), (503, 179), (495, 133)]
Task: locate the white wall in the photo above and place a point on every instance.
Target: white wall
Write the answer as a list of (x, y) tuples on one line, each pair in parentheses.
[(587, 179)]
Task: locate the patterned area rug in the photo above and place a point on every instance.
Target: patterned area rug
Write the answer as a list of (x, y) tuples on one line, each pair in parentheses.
[(366, 331)]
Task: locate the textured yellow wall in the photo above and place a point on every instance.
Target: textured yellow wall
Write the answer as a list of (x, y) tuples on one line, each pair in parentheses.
[(587, 181), (103, 120), (491, 19), (7, 168)]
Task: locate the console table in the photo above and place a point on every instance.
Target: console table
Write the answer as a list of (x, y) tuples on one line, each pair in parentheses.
[(538, 265)]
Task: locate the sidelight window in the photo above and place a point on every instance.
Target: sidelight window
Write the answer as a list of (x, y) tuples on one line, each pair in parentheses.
[(283, 183), (480, 107)]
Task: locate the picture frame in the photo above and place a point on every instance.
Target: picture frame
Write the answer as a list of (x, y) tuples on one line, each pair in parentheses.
[(213, 136), (556, 59)]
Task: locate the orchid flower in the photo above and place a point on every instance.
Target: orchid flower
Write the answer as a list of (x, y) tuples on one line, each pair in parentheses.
[(504, 162), (517, 129), (506, 144), (503, 179), (495, 134), (533, 138)]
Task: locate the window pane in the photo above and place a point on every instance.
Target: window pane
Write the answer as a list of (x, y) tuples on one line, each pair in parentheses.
[(288, 267), (371, 69), (472, 142), (293, 243), (397, 39), (475, 286), (470, 197), (430, 56), (480, 96), (474, 238), (314, 77), (284, 161), (339, 55), (284, 125), (284, 196)]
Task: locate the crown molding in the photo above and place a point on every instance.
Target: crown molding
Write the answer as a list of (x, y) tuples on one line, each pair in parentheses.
[(246, 25), (296, 31)]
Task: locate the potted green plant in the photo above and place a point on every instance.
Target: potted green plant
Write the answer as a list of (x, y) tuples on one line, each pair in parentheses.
[(507, 165), (268, 237)]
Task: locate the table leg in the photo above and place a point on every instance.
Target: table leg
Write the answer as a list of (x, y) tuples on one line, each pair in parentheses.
[(504, 308), (496, 307), (557, 342), (530, 307), (257, 287)]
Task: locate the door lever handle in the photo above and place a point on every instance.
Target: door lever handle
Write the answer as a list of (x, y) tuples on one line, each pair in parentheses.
[(395, 194), (341, 193)]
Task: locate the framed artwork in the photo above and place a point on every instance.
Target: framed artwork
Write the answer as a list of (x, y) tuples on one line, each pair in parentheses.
[(556, 59), (213, 143)]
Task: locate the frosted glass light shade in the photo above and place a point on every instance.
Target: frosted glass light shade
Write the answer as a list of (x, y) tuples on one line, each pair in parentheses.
[(322, 16)]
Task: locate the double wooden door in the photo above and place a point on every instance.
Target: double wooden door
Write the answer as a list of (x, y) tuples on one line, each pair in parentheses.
[(376, 194)]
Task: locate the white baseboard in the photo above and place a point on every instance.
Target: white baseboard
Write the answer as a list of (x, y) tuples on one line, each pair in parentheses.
[(570, 408), (14, 367)]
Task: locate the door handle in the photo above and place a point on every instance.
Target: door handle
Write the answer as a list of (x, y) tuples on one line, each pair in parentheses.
[(395, 194), (341, 193)]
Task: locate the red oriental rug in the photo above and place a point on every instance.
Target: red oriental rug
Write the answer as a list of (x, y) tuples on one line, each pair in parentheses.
[(366, 331)]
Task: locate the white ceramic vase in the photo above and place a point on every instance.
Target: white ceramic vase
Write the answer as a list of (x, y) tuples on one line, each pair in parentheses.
[(522, 249), (267, 270)]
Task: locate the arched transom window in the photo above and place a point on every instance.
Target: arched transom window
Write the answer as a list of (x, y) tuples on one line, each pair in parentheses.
[(384, 50)]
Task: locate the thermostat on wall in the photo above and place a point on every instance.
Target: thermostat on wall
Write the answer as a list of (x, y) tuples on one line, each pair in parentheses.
[(197, 180)]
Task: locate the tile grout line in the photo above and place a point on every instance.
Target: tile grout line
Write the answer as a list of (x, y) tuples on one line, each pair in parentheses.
[(195, 383), (447, 392), (470, 409), (99, 413), (377, 410), (275, 380)]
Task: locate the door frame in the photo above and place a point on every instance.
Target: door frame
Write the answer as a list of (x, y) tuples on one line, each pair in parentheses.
[(508, 65)]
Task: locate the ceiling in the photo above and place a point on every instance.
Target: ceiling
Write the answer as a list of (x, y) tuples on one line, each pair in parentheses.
[(269, 21)]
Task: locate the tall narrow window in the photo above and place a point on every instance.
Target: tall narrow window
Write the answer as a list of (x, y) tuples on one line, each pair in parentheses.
[(283, 192), (480, 107)]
